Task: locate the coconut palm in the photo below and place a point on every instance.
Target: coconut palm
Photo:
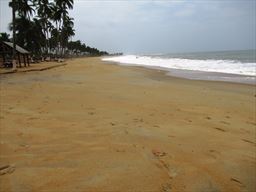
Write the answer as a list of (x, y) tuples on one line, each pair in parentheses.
[(67, 32), (56, 18), (45, 26), (13, 5), (53, 41), (29, 34), (4, 37), (44, 12), (24, 8), (60, 17)]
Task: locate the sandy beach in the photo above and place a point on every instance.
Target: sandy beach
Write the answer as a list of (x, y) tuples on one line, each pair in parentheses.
[(92, 126)]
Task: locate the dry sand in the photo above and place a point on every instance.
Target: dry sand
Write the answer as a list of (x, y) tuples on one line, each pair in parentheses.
[(89, 126)]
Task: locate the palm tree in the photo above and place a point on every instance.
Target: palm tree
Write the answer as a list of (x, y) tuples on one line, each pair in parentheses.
[(36, 37), (21, 25), (29, 34), (4, 37), (60, 16), (49, 30), (67, 31), (53, 41), (56, 18), (13, 4), (44, 12), (24, 10)]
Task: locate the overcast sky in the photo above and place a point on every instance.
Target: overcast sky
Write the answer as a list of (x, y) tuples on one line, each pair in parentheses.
[(161, 26)]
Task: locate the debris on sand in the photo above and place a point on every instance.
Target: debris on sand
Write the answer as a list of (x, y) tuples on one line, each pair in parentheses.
[(158, 153), (166, 187), (120, 150), (7, 169), (236, 180)]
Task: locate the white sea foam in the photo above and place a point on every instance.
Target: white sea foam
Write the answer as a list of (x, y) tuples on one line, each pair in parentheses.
[(220, 66)]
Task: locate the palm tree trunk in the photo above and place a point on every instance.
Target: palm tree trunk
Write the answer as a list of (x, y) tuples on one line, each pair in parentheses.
[(57, 44), (14, 36), (47, 43), (62, 35)]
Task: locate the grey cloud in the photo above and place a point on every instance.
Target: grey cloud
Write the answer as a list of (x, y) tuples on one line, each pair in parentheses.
[(163, 26)]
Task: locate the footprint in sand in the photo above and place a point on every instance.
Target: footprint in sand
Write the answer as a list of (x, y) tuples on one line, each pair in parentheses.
[(120, 150), (219, 129), (167, 187), (237, 181), (32, 118), (188, 120), (20, 134), (162, 164), (7, 169), (224, 122), (90, 108), (138, 120), (213, 151), (245, 140), (249, 122)]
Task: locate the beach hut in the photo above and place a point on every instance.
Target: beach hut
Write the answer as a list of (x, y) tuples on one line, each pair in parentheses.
[(22, 55)]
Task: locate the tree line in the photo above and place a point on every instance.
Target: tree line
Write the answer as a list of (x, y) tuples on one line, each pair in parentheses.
[(45, 28)]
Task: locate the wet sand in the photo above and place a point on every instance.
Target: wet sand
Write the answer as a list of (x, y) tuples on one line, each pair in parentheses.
[(89, 126)]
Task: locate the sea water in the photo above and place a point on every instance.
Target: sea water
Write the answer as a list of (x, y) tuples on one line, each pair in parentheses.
[(219, 65)]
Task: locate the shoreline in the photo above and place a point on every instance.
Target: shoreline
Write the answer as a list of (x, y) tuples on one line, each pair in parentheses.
[(94, 127), (196, 75)]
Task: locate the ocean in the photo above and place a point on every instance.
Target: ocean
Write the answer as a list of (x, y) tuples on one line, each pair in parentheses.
[(236, 66)]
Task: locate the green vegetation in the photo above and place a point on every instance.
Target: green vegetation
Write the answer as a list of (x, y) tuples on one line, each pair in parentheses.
[(4, 37), (45, 28)]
